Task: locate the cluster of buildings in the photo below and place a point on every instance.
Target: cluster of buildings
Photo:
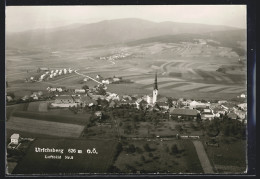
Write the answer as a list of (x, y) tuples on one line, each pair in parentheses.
[(115, 56), (49, 74), (108, 80), (182, 109)]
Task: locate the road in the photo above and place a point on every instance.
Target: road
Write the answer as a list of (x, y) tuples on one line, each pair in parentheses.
[(204, 160), (76, 71)]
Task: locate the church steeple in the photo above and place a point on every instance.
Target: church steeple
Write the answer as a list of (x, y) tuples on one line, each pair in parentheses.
[(155, 82), (155, 90)]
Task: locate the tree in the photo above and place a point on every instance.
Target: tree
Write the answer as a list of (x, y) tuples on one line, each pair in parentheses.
[(130, 149), (147, 147), (178, 128), (85, 87), (226, 130), (198, 116), (142, 158), (174, 149), (11, 94), (169, 101), (101, 91)]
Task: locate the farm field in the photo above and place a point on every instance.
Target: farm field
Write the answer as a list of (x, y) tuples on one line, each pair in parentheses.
[(9, 110), (183, 68), (44, 127), (228, 158), (55, 115), (163, 129), (34, 163), (160, 159)]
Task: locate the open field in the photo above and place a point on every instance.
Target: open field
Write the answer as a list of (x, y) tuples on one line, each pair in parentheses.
[(58, 115), (34, 163), (162, 129), (159, 159), (9, 110), (228, 158), (44, 127), (183, 68)]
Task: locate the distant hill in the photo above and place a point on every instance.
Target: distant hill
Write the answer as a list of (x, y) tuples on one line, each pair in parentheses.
[(230, 38), (104, 32)]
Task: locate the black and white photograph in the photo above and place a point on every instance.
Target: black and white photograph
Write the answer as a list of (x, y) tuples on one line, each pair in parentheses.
[(126, 89)]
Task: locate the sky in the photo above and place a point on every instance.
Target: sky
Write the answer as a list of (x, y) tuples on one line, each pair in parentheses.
[(22, 18)]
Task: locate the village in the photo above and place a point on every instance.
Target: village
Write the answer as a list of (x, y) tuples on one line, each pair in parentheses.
[(99, 100), (182, 108), (129, 117)]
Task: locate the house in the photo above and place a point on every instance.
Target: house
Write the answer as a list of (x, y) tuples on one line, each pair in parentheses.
[(64, 101), (125, 103), (26, 97), (243, 95), (222, 102), (228, 106), (116, 79), (39, 93), (98, 114), (98, 77), (241, 114), (76, 99), (87, 101), (207, 114), (198, 105), (232, 115), (52, 89), (218, 110), (34, 96), (9, 98), (80, 91), (141, 104), (96, 97), (126, 97), (163, 105), (183, 113), (112, 96), (243, 106), (59, 89), (43, 69), (15, 139), (105, 81), (112, 104), (163, 99), (147, 98)]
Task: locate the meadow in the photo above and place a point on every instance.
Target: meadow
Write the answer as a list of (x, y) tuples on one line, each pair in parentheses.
[(228, 157), (159, 159), (44, 127), (183, 68)]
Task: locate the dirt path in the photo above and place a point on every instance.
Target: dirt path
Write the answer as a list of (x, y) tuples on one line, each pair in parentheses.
[(76, 71), (204, 160)]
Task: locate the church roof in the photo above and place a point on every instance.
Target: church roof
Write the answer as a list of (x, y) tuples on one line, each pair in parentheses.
[(155, 82), (186, 112)]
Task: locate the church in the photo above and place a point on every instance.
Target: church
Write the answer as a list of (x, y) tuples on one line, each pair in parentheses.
[(152, 100), (155, 90)]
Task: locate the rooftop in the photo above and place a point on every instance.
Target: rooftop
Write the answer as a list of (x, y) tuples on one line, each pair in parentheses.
[(15, 136), (187, 112), (64, 97)]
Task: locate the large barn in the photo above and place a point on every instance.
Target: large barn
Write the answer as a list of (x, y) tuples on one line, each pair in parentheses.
[(183, 113)]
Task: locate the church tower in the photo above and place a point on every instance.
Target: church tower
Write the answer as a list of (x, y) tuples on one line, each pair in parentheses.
[(155, 90)]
